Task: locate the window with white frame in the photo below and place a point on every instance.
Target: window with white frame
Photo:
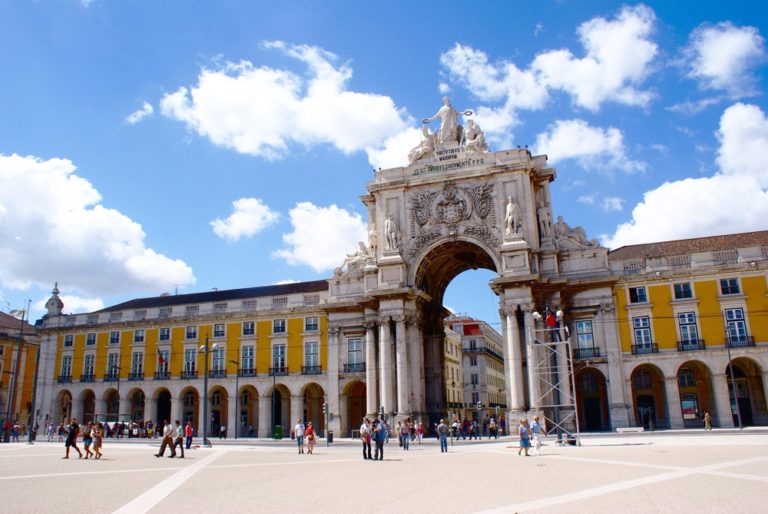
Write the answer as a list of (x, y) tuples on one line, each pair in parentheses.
[(190, 360), (355, 351), (113, 369), (473, 344), (638, 295), (163, 357), (248, 328), (89, 364), (137, 363), (473, 360), (689, 333), (683, 290), (311, 355), (218, 330), (729, 286), (69, 341), (247, 357), (191, 332), (641, 326), (218, 359), (114, 337), (165, 334), (278, 326), (686, 378), (735, 325), (584, 335), (311, 324), (90, 339), (66, 366), (138, 335), (278, 356)]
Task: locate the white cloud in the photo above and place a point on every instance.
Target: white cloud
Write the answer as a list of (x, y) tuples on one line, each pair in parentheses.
[(72, 304), (53, 227), (322, 236), (587, 199), (263, 111), (250, 216), (694, 107), (592, 147), (137, 116), (286, 281), (394, 151), (733, 200), (613, 204), (721, 57)]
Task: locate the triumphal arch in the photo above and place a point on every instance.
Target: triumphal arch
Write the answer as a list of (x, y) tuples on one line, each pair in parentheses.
[(457, 206)]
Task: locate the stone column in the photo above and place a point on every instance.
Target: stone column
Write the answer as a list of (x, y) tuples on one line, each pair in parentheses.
[(150, 410), (332, 394), (101, 408), (371, 375), (724, 416), (515, 357), (297, 410), (125, 407), (532, 359), (177, 409), (233, 417), (265, 418), (386, 382), (403, 371), (673, 402), (416, 364)]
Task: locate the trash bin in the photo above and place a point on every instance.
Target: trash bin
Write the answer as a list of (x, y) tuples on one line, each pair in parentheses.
[(277, 432), (330, 436)]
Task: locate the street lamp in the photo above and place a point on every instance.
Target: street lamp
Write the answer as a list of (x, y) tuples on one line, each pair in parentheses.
[(15, 382), (237, 395), (206, 350)]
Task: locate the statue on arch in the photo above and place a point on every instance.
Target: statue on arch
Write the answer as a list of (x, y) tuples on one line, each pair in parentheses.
[(449, 122), (512, 218), (423, 149), (391, 233), (474, 139)]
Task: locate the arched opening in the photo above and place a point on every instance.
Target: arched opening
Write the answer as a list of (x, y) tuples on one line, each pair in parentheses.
[(163, 406), (750, 395), (248, 406), (112, 405), (219, 400), (694, 382), (354, 397), (280, 408), (190, 402), (88, 403), (649, 397), (313, 407), (592, 400), (137, 400), (65, 406)]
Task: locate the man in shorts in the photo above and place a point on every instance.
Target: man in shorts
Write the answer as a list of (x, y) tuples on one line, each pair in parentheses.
[(71, 442)]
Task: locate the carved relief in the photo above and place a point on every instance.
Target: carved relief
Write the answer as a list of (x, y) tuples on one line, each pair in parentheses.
[(452, 208)]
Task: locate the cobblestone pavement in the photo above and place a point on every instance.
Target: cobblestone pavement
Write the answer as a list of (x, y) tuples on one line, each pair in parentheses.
[(662, 472)]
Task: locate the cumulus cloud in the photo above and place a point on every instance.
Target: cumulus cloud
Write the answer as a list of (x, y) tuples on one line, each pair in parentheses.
[(53, 226), (723, 57), (592, 147), (72, 304), (263, 111), (613, 204), (322, 236), (137, 116), (250, 216), (735, 199)]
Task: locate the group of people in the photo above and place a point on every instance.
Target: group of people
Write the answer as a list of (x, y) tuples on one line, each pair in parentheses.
[(305, 434), (374, 432), (409, 431), (173, 437), (92, 435), (473, 429), (530, 435)]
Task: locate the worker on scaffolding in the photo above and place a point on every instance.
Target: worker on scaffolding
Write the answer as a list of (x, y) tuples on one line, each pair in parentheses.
[(553, 325)]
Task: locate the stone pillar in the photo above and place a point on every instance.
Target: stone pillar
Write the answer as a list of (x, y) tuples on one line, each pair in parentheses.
[(403, 370), (386, 380), (416, 364), (673, 403), (533, 356), (177, 409), (515, 357), (297, 410), (101, 409), (332, 394), (371, 375), (150, 410), (233, 418), (125, 407), (265, 418), (724, 415)]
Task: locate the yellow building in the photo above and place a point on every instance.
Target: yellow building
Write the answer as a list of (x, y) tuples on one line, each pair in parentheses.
[(16, 374), (454, 376)]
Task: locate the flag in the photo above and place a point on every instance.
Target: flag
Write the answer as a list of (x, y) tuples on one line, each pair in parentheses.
[(18, 313)]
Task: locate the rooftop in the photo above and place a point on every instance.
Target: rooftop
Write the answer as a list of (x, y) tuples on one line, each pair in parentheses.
[(687, 246)]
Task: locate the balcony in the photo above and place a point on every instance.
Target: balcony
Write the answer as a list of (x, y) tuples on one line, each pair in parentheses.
[(64, 379), (136, 375), (739, 341), (246, 372), (162, 375), (112, 377), (355, 367), (276, 372), (188, 374), (586, 353), (311, 370), (217, 373), (641, 349), (87, 378), (691, 345)]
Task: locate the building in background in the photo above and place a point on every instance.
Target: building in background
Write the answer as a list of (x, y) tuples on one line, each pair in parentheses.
[(454, 376), (16, 374)]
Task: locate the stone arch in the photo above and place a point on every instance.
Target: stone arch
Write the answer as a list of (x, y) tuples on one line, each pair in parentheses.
[(313, 400), (696, 393), (279, 396), (750, 392), (218, 400), (162, 398), (136, 402), (111, 404), (649, 396), (87, 402), (592, 400), (64, 406), (248, 411), (353, 406), (189, 406)]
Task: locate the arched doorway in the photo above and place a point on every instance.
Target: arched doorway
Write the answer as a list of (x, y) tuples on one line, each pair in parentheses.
[(88, 402), (112, 405), (592, 400), (649, 397), (65, 406), (313, 407), (190, 402), (163, 401), (694, 382), (354, 394), (137, 400), (280, 408), (219, 399), (248, 405), (747, 378)]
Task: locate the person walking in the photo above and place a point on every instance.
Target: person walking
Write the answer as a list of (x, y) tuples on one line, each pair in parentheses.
[(538, 432), (71, 442), (420, 432), (492, 430), (309, 433), (379, 436), (179, 439), (298, 431), (707, 421), (524, 433), (87, 440), (405, 434), (188, 431), (167, 441), (442, 434), (97, 434), (365, 437)]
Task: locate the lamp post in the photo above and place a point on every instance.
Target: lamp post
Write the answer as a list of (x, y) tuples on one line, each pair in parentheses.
[(205, 350), (237, 395), (32, 412), (274, 387), (733, 383), (15, 380)]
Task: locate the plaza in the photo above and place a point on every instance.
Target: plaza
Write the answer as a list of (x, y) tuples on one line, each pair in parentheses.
[(680, 471)]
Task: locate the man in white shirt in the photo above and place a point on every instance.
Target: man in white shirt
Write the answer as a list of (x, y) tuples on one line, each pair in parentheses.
[(365, 437), (298, 431), (167, 440)]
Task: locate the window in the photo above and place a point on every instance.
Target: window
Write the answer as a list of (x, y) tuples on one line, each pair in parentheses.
[(192, 310), (218, 330), (114, 337), (218, 359), (279, 301), (190, 359), (220, 307), (140, 314), (138, 336), (189, 399), (165, 312), (249, 304), (311, 299), (248, 328), (637, 295), (162, 361), (735, 326), (475, 398), (473, 344), (311, 356), (66, 366), (165, 334), (642, 328), (683, 290), (90, 339), (584, 335), (247, 358), (689, 405), (137, 363), (113, 368), (191, 332), (685, 377), (688, 331), (216, 399), (473, 360), (729, 286), (355, 350), (589, 383), (89, 364), (278, 356), (642, 379), (278, 326), (69, 340), (311, 324), (474, 379)]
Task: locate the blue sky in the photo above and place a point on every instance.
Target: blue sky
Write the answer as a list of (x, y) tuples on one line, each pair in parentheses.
[(187, 145)]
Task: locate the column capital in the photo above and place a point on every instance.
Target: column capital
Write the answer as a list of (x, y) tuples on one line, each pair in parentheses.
[(370, 324), (334, 329)]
